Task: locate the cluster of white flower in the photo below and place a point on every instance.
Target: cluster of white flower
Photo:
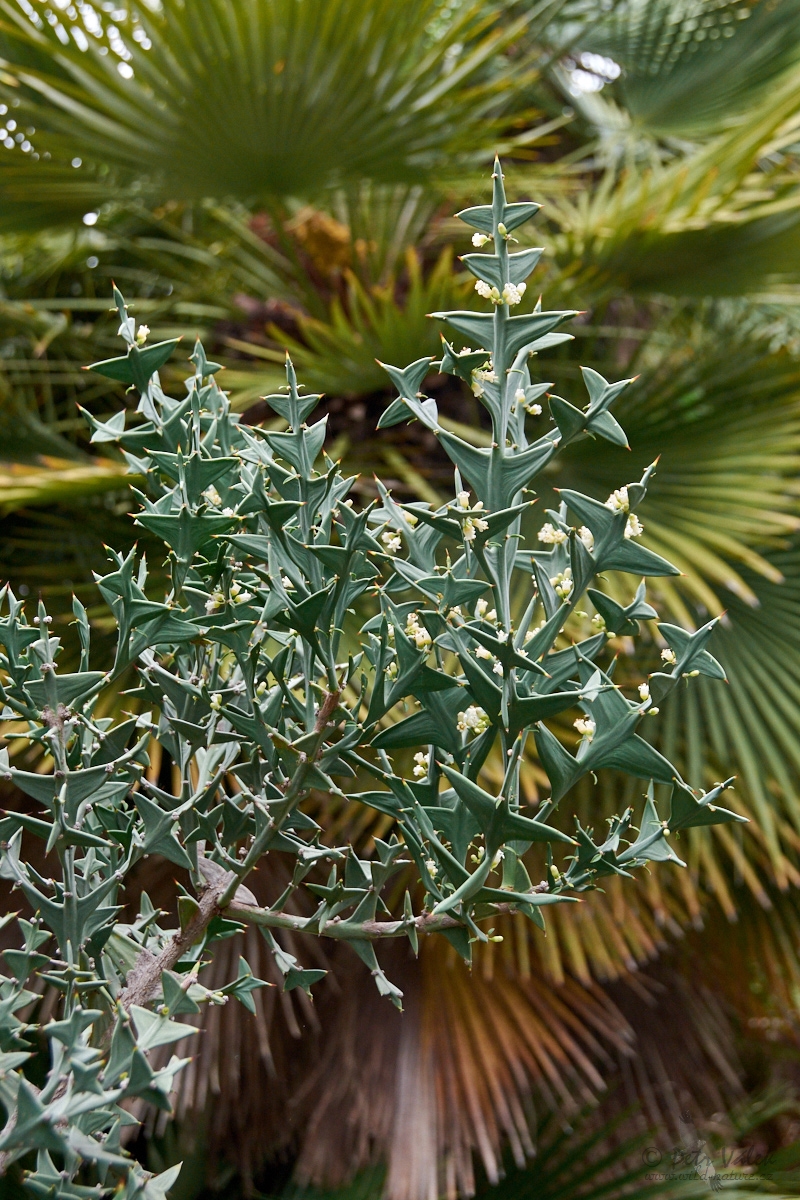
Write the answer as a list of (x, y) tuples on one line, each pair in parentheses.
[(479, 378), (391, 541), (585, 727), (217, 598), (511, 294), (669, 656), (417, 633), (562, 584), (216, 701), (587, 537), (480, 239), (212, 495), (474, 720), (633, 527), (482, 652), (473, 525), (488, 292), (484, 613), (433, 870), (535, 410), (618, 500), (422, 762), (551, 536)]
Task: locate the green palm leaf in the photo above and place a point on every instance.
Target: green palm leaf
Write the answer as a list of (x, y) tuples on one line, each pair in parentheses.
[(310, 95), (690, 69), (721, 219)]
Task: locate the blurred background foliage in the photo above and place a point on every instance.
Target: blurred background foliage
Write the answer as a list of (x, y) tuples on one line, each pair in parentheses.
[(276, 174)]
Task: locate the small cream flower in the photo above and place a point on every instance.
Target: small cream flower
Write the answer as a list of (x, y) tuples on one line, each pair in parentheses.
[(669, 656), (142, 334), (433, 870), (562, 584), (598, 621), (513, 293), (417, 633), (480, 609), (216, 701), (462, 500), (618, 500), (551, 536), (391, 541), (212, 495), (633, 527), (474, 720), (586, 536), (482, 652), (498, 668), (487, 292), (585, 727), (535, 410), (215, 601), (644, 691), (422, 762), (480, 239)]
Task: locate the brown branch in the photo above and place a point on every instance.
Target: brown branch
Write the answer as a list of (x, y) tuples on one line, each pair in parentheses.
[(372, 931), (144, 977)]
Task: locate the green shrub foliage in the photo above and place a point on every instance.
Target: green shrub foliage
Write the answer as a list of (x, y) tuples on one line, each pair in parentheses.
[(310, 644)]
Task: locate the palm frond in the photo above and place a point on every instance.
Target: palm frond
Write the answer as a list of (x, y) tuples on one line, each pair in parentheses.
[(308, 97), (721, 219), (689, 68)]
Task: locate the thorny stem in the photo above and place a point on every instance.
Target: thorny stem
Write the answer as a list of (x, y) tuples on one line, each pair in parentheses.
[(294, 794)]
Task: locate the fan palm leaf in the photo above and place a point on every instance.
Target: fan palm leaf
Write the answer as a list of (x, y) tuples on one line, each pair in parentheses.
[(721, 219), (688, 69), (310, 95)]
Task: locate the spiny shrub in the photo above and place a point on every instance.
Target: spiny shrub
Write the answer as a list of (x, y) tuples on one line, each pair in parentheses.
[(310, 644)]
